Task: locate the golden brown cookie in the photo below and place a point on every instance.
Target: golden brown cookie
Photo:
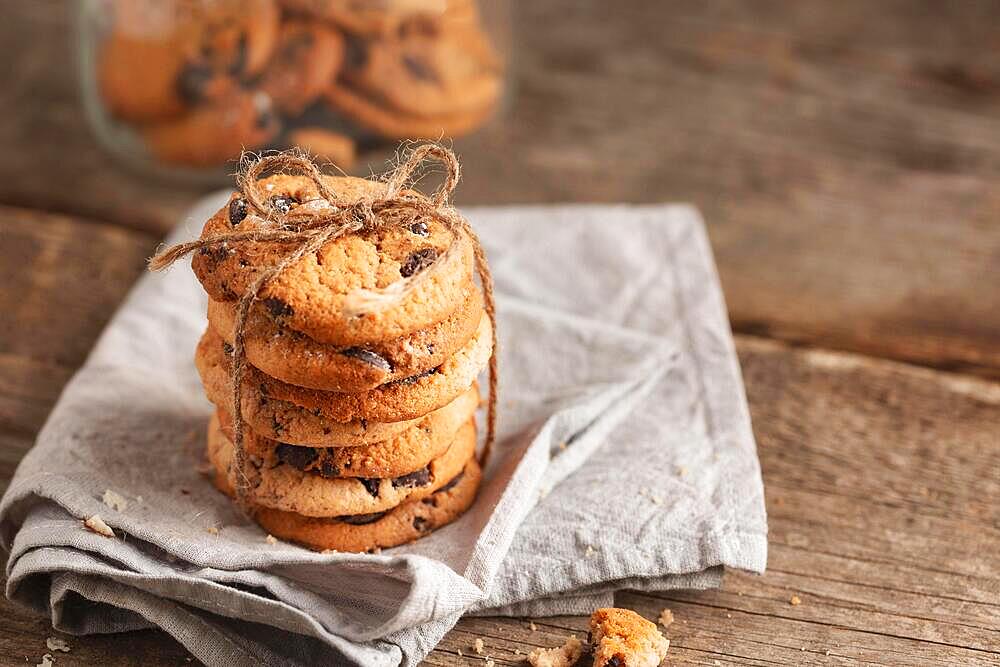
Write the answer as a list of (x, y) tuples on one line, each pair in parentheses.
[(295, 358), (325, 146), (394, 124), (278, 410), (426, 70), (214, 134), (306, 60), (312, 295), (408, 452), (623, 637), (381, 530), (161, 60), (288, 489)]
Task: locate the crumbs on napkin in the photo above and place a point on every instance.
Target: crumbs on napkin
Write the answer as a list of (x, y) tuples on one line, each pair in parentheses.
[(114, 500), (666, 617), (96, 524)]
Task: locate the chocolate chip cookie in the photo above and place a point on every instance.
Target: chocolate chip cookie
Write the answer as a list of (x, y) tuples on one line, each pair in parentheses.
[(407, 453), (306, 60), (215, 133), (295, 358), (283, 487), (311, 295), (274, 408), (366, 532)]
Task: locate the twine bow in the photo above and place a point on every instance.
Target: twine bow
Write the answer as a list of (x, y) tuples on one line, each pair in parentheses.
[(306, 229)]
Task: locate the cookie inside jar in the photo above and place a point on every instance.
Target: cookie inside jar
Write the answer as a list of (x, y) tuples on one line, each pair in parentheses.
[(186, 86)]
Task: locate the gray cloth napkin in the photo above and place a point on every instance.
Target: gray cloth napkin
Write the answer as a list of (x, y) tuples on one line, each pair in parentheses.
[(625, 459)]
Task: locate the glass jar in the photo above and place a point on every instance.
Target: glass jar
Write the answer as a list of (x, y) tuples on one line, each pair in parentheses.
[(184, 86)]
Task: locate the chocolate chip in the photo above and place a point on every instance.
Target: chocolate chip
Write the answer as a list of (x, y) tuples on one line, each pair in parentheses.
[(277, 426), (227, 348), (355, 53), (362, 519), (419, 228), (371, 484), (451, 483), (420, 523), (420, 69), (421, 477), (368, 357), (615, 661), (418, 261), (283, 203), (327, 469), (192, 82), (297, 457), (216, 253), (237, 211), (413, 378), (239, 63), (277, 308)]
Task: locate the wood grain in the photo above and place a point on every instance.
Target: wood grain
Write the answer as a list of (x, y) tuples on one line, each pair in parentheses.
[(845, 156), (883, 490)]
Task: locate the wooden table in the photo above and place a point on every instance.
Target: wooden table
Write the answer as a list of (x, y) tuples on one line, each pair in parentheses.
[(847, 159)]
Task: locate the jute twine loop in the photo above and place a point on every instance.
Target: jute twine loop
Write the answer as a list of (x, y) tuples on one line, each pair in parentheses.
[(306, 229)]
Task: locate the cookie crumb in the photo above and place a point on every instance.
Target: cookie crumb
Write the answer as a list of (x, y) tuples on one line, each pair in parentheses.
[(531, 624), (56, 644), (562, 446), (138, 499), (478, 646), (47, 661), (96, 524), (490, 663), (666, 617), (460, 654), (682, 471), (827, 652), (795, 601), (114, 500), (590, 552), (212, 530), (561, 656), (729, 615), (621, 636), (517, 651), (716, 662), (271, 539), (542, 492)]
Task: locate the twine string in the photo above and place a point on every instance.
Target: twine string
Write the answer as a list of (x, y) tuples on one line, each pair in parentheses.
[(307, 229)]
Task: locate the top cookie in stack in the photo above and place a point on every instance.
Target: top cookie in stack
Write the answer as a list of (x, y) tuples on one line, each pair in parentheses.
[(358, 421)]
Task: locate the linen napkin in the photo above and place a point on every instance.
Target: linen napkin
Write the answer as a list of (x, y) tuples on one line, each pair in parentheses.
[(625, 458)]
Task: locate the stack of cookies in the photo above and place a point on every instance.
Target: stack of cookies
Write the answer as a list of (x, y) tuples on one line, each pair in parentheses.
[(358, 428)]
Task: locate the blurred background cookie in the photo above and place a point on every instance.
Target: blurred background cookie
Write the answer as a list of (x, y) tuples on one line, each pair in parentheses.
[(214, 134), (339, 74)]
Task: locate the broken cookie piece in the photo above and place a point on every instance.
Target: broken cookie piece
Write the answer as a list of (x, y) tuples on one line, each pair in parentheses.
[(561, 656), (623, 638)]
